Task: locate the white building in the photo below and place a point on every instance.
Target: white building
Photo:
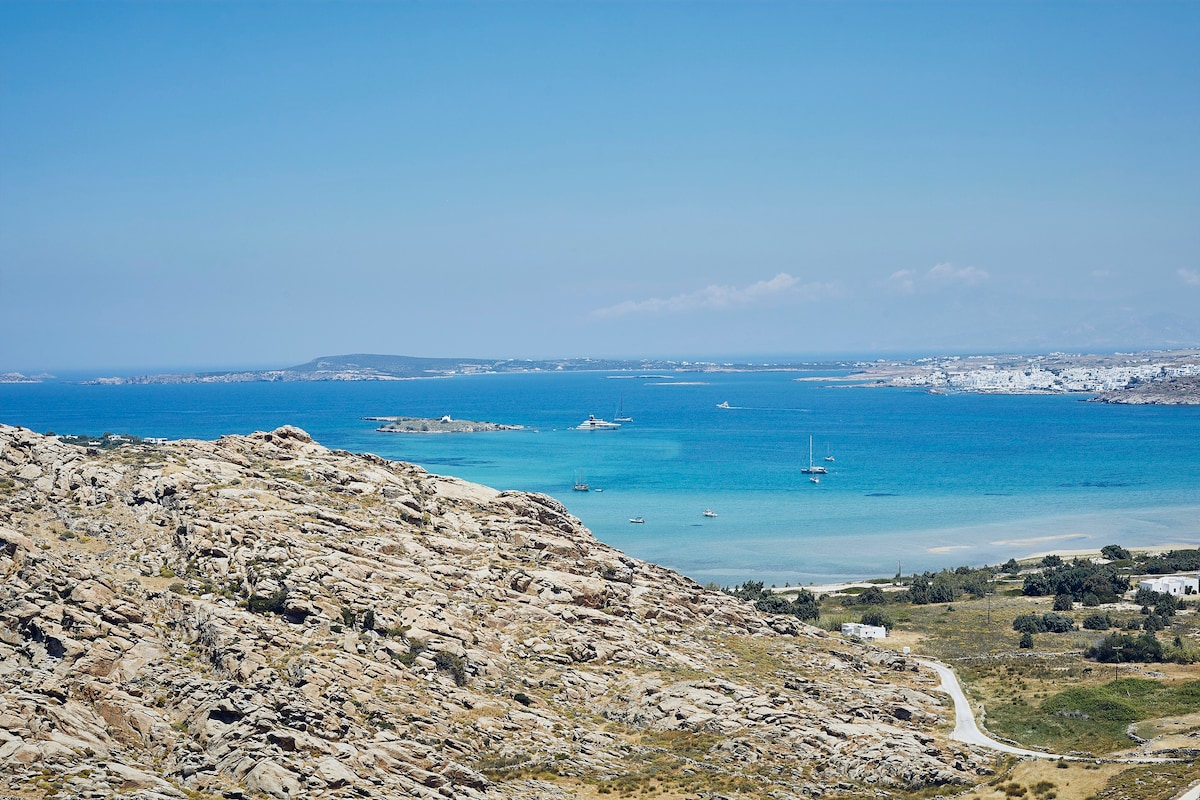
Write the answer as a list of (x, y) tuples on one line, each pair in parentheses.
[(1177, 585), (864, 631)]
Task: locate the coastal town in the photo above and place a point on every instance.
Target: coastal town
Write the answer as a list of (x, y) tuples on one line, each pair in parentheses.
[(1160, 377)]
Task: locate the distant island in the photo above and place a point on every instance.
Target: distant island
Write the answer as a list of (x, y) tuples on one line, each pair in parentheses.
[(441, 425), (17, 377), (1156, 377), (372, 367)]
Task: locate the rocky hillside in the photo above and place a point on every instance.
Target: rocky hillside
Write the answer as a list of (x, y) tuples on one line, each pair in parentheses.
[(1181, 391), (263, 616)]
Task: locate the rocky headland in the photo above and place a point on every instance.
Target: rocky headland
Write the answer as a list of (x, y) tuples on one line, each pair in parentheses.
[(262, 616), (1174, 391)]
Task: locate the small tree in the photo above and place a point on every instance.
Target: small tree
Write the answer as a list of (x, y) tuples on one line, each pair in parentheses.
[(1026, 642), (878, 617), (1063, 602), (872, 597), (1115, 552), (1057, 623)]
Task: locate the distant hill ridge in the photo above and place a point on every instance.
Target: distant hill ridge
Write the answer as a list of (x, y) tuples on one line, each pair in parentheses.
[(375, 366)]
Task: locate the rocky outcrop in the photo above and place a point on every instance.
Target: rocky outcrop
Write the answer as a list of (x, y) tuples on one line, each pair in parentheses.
[(1177, 391), (261, 616)]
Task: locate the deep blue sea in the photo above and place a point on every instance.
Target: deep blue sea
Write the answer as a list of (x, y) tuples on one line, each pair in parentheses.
[(925, 480)]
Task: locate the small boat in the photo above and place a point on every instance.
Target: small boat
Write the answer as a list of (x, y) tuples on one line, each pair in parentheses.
[(580, 483), (828, 455), (637, 520), (594, 424), (708, 512), (619, 415), (810, 469), (724, 405), (814, 479)]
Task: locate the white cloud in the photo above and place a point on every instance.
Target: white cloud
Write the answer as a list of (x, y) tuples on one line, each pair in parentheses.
[(1189, 276), (902, 280), (908, 281), (720, 297), (948, 273)]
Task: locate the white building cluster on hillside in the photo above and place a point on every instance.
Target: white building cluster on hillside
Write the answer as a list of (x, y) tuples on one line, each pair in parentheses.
[(1036, 379)]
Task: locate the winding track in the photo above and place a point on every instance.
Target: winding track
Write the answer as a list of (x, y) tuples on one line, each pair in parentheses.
[(965, 730)]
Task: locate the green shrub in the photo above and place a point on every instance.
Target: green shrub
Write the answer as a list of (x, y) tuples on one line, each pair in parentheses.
[(272, 603), (1115, 552), (1057, 623), (452, 664), (879, 617)]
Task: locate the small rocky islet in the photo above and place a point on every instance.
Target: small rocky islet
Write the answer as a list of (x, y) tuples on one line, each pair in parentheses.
[(262, 616), (438, 425)]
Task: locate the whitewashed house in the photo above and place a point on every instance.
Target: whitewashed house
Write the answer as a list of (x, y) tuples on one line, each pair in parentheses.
[(864, 631), (1177, 585)]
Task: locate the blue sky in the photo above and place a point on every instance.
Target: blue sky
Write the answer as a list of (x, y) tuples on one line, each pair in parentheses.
[(226, 184)]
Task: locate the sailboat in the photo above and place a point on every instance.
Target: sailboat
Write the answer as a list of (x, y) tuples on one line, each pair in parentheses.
[(810, 469), (828, 455), (619, 415), (580, 483)]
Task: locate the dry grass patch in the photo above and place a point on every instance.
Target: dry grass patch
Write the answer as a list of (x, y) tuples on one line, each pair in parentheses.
[(1047, 780)]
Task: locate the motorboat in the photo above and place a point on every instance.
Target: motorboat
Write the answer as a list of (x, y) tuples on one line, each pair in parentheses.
[(637, 520), (724, 405), (592, 423), (708, 512)]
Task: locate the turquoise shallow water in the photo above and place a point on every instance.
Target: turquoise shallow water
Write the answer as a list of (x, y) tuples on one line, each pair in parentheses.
[(926, 480)]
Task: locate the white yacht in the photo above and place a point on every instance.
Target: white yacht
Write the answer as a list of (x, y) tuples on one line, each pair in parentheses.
[(619, 415), (724, 405), (708, 512), (594, 424), (637, 520), (811, 469)]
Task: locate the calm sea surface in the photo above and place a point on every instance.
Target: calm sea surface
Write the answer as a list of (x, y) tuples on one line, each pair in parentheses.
[(925, 480)]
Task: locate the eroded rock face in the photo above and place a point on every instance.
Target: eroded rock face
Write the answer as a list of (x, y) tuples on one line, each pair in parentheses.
[(263, 615)]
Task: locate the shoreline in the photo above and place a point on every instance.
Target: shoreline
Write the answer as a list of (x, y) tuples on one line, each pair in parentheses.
[(820, 589)]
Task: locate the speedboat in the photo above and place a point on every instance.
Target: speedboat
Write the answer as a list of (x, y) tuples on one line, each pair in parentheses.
[(708, 512), (637, 520), (594, 424), (724, 405)]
